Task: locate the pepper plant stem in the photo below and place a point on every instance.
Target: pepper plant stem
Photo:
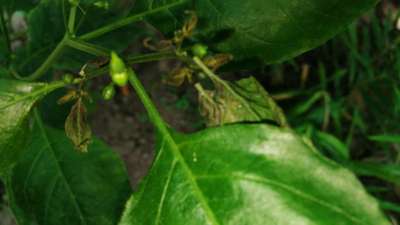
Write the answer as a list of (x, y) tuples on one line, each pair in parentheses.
[(150, 57), (71, 20), (151, 109), (125, 21), (87, 47), (132, 60), (161, 126), (49, 61)]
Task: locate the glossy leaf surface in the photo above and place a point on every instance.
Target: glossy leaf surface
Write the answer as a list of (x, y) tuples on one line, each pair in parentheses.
[(250, 174), (268, 30), (55, 185), (16, 101)]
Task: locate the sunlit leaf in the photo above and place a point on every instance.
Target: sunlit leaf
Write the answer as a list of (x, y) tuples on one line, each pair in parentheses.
[(248, 174)]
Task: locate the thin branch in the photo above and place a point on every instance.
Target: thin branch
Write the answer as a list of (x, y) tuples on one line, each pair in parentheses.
[(48, 62), (71, 20), (126, 21), (132, 60), (87, 47)]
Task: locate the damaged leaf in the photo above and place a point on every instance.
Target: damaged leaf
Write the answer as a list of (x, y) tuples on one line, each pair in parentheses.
[(242, 101), (17, 99), (77, 128), (178, 76)]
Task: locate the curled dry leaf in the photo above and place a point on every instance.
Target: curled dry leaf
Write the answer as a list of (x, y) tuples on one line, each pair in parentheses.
[(77, 128), (242, 101), (216, 61), (178, 76)]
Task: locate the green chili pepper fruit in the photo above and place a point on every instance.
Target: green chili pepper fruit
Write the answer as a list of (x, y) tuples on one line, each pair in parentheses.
[(120, 79), (199, 50), (117, 65), (108, 92), (118, 70)]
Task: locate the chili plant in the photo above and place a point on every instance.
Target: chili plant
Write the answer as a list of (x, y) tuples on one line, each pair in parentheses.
[(247, 167)]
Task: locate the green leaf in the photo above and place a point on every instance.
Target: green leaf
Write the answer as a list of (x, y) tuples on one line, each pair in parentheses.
[(248, 174), (387, 172), (385, 138), (267, 30), (243, 101), (390, 206), (336, 147), (55, 185), (16, 101)]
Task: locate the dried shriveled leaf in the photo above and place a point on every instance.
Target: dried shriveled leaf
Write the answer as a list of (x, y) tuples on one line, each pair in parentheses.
[(242, 101), (77, 127)]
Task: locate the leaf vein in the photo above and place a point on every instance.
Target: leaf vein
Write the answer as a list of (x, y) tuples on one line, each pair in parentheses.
[(61, 174), (286, 188)]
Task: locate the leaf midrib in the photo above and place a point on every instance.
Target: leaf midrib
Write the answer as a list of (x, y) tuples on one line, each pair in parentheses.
[(37, 93), (286, 187), (60, 173), (192, 180), (159, 123)]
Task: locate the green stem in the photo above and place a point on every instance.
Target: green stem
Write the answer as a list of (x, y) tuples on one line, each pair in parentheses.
[(48, 62), (87, 47), (71, 20), (159, 123), (151, 109), (4, 29), (151, 57), (125, 21), (46, 65)]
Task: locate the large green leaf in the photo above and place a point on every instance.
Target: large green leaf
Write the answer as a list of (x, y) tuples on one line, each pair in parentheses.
[(268, 30), (16, 101), (54, 184), (251, 174)]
